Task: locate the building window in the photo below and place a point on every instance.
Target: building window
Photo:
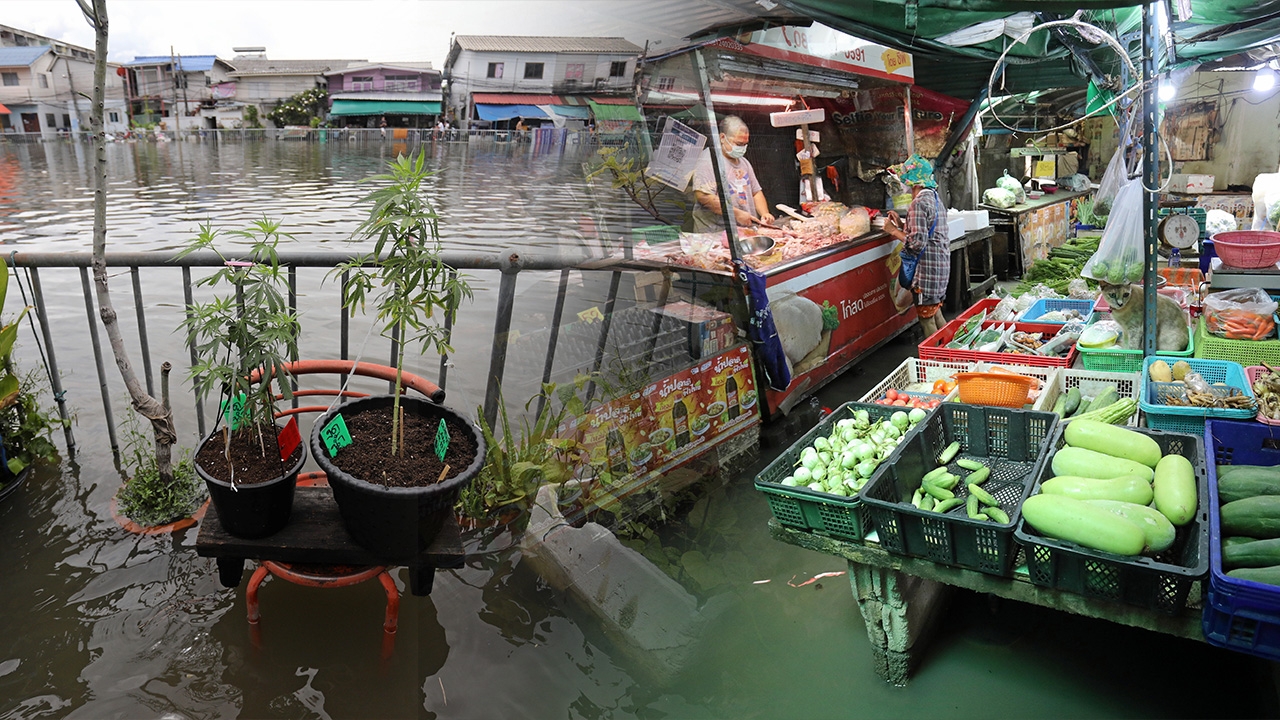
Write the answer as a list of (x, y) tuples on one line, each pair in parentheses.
[(360, 82), (9, 78), (151, 75), (115, 117), (495, 70), (533, 71), (618, 69), (50, 120), (66, 120), (666, 83), (574, 71), (401, 82), (44, 81)]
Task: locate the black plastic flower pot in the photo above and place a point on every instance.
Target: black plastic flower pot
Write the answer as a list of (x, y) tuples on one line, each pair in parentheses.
[(396, 523), (255, 510)]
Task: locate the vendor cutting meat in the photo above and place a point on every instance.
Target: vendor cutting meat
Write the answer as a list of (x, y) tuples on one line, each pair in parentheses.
[(925, 235), (745, 194)]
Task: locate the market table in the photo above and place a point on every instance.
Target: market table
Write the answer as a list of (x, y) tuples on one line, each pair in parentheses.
[(1034, 227), (899, 597), (964, 291)]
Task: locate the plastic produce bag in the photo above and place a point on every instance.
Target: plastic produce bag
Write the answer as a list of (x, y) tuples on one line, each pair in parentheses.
[(1102, 334), (1115, 177), (1217, 221), (1240, 314), (1266, 200), (1006, 309), (1078, 289), (1074, 183), (1012, 185), (999, 197), (1120, 255)]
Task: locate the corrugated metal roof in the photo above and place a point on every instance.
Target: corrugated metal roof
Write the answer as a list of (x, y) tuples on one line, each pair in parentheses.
[(188, 63), (515, 99), (519, 43), (263, 66), (422, 67), (21, 56)]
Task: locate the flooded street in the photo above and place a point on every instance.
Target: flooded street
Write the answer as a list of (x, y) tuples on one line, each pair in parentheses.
[(99, 623)]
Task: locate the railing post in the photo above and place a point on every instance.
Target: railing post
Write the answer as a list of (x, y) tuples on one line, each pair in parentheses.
[(501, 328), (55, 380), (605, 324), (293, 308), (142, 329), (448, 336), (97, 357), (552, 341), (191, 347)]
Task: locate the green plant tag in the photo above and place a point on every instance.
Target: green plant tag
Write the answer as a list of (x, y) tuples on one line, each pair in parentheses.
[(335, 435), (442, 440), (239, 413)]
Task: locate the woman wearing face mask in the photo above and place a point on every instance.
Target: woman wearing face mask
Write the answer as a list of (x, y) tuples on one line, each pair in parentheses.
[(745, 194)]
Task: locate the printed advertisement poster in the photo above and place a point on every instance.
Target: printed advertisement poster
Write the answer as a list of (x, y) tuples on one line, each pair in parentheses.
[(680, 423), (615, 436), (1042, 230), (729, 391), (861, 303)]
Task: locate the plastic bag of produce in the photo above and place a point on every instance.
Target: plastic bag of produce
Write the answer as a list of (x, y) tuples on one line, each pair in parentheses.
[(1006, 309), (1266, 198), (1103, 334), (968, 332), (855, 222), (999, 197), (1240, 314), (1012, 185), (1115, 177), (1078, 289), (1120, 255), (1078, 182), (1217, 221)]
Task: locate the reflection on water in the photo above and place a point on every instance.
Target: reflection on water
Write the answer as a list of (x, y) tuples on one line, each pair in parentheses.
[(98, 623)]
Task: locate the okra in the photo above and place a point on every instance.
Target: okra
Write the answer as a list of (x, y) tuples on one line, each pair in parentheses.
[(985, 497), (934, 474), (949, 453), (915, 497), (947, 505), (968, 464), (997, 515), (939, 493), (979, 476), (971, 505)]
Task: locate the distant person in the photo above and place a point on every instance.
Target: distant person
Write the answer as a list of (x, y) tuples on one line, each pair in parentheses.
[(924, 234), (383, 126)]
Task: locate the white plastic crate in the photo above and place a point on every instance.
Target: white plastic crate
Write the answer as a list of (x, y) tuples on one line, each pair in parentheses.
[(1046, 376), (1090, 383), (915, 370)]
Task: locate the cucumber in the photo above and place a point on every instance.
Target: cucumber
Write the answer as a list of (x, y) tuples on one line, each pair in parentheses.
[(926, 502), (1105, 398), (968, 464), (1159, 532), (1079, 522), (915, 497), (1259, 553), (1082, 462), (1114, 441), (1175, 489), (1237, 540), (947, 481), (1246, 482), (981, 516), (1071, 405), (977, 477), (949, 453), (1257, 517), (934, 474), (996, 515), (947, 505), (1225, 470), (1267, 575), (938, 493), (984, 497), (1060, 405), (1131, 488), (971, 506)]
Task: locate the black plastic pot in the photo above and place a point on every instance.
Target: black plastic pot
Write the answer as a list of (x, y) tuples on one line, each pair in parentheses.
[(396, 523), (252, 511)]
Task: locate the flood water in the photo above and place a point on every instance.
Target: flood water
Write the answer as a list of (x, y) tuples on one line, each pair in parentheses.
[(99, 623)]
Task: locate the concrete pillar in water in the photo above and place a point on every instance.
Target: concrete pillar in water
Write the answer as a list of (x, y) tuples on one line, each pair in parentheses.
[(899, 611)]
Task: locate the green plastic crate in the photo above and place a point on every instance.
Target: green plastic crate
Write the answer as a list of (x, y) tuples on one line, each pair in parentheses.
[(1121, 360), (1245, 352)]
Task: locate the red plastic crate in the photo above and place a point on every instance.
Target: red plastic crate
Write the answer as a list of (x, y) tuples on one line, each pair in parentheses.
[(934, 347), (987, 304)]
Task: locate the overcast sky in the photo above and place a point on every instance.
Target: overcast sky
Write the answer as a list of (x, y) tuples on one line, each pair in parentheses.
[(375, 30)]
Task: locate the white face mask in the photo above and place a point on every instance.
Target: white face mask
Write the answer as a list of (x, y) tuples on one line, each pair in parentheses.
[(737, 151)]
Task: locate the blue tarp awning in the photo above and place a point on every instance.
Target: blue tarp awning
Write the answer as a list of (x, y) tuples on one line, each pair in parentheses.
[(492, 113), (572, 112)]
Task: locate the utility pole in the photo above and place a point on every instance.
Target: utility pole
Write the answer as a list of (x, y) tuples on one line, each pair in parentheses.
[(71, 81), (177, 114)]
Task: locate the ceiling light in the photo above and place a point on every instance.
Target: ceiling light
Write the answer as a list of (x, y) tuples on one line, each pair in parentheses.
[(1166, 91), (1265, 79)]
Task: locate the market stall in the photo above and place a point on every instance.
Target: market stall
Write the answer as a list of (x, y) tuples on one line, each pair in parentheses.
[(1035, 227), (826, 114)]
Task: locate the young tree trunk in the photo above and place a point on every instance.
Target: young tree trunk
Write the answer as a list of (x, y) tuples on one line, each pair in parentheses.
[(161, 417)]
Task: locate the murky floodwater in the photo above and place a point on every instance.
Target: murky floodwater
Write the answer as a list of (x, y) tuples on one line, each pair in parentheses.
[(99, 623)]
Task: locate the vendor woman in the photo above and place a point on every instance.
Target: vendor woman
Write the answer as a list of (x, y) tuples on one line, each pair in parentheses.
[(924, 234), (745, 194)]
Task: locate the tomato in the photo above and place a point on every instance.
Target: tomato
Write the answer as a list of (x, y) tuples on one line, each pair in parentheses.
[(900, 403), (891, 394)]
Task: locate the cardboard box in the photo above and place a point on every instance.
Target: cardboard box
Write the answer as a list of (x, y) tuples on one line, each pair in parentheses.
[(710, 331), (1183, 183)]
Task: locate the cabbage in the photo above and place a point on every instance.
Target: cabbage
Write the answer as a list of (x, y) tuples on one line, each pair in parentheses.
[(999, 197)]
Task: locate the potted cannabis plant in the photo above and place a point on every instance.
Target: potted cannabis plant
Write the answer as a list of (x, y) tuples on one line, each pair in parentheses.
[(397, 463), (248, 462)]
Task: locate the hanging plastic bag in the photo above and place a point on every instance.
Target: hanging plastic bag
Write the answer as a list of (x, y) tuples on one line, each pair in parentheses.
[(1012, 185), (1121, 256), (1217, 221), (1115, 177)]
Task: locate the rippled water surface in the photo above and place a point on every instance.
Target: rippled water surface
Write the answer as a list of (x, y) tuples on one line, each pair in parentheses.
[(99, 623)]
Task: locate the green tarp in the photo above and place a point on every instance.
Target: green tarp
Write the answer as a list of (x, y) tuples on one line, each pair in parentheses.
[(384, 107), (616, 112)]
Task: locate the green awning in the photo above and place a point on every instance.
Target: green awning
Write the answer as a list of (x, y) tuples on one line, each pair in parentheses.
[(384, 107), (616, 112)]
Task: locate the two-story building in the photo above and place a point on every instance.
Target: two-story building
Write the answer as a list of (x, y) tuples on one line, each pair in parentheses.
[(266, 83), (494, 78), (45, 90), (194, 84), (405, 94)]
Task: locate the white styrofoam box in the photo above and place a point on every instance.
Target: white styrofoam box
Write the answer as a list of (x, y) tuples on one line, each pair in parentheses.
[(976, 219), (1187, 183), (955, 228)]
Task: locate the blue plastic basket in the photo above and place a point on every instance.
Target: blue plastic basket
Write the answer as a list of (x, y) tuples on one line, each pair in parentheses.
[(1191, 419), (1048, 305), (1239, 614)]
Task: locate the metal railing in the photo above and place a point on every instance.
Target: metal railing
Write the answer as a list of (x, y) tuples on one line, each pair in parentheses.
[(509, 264), (548, 135)]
